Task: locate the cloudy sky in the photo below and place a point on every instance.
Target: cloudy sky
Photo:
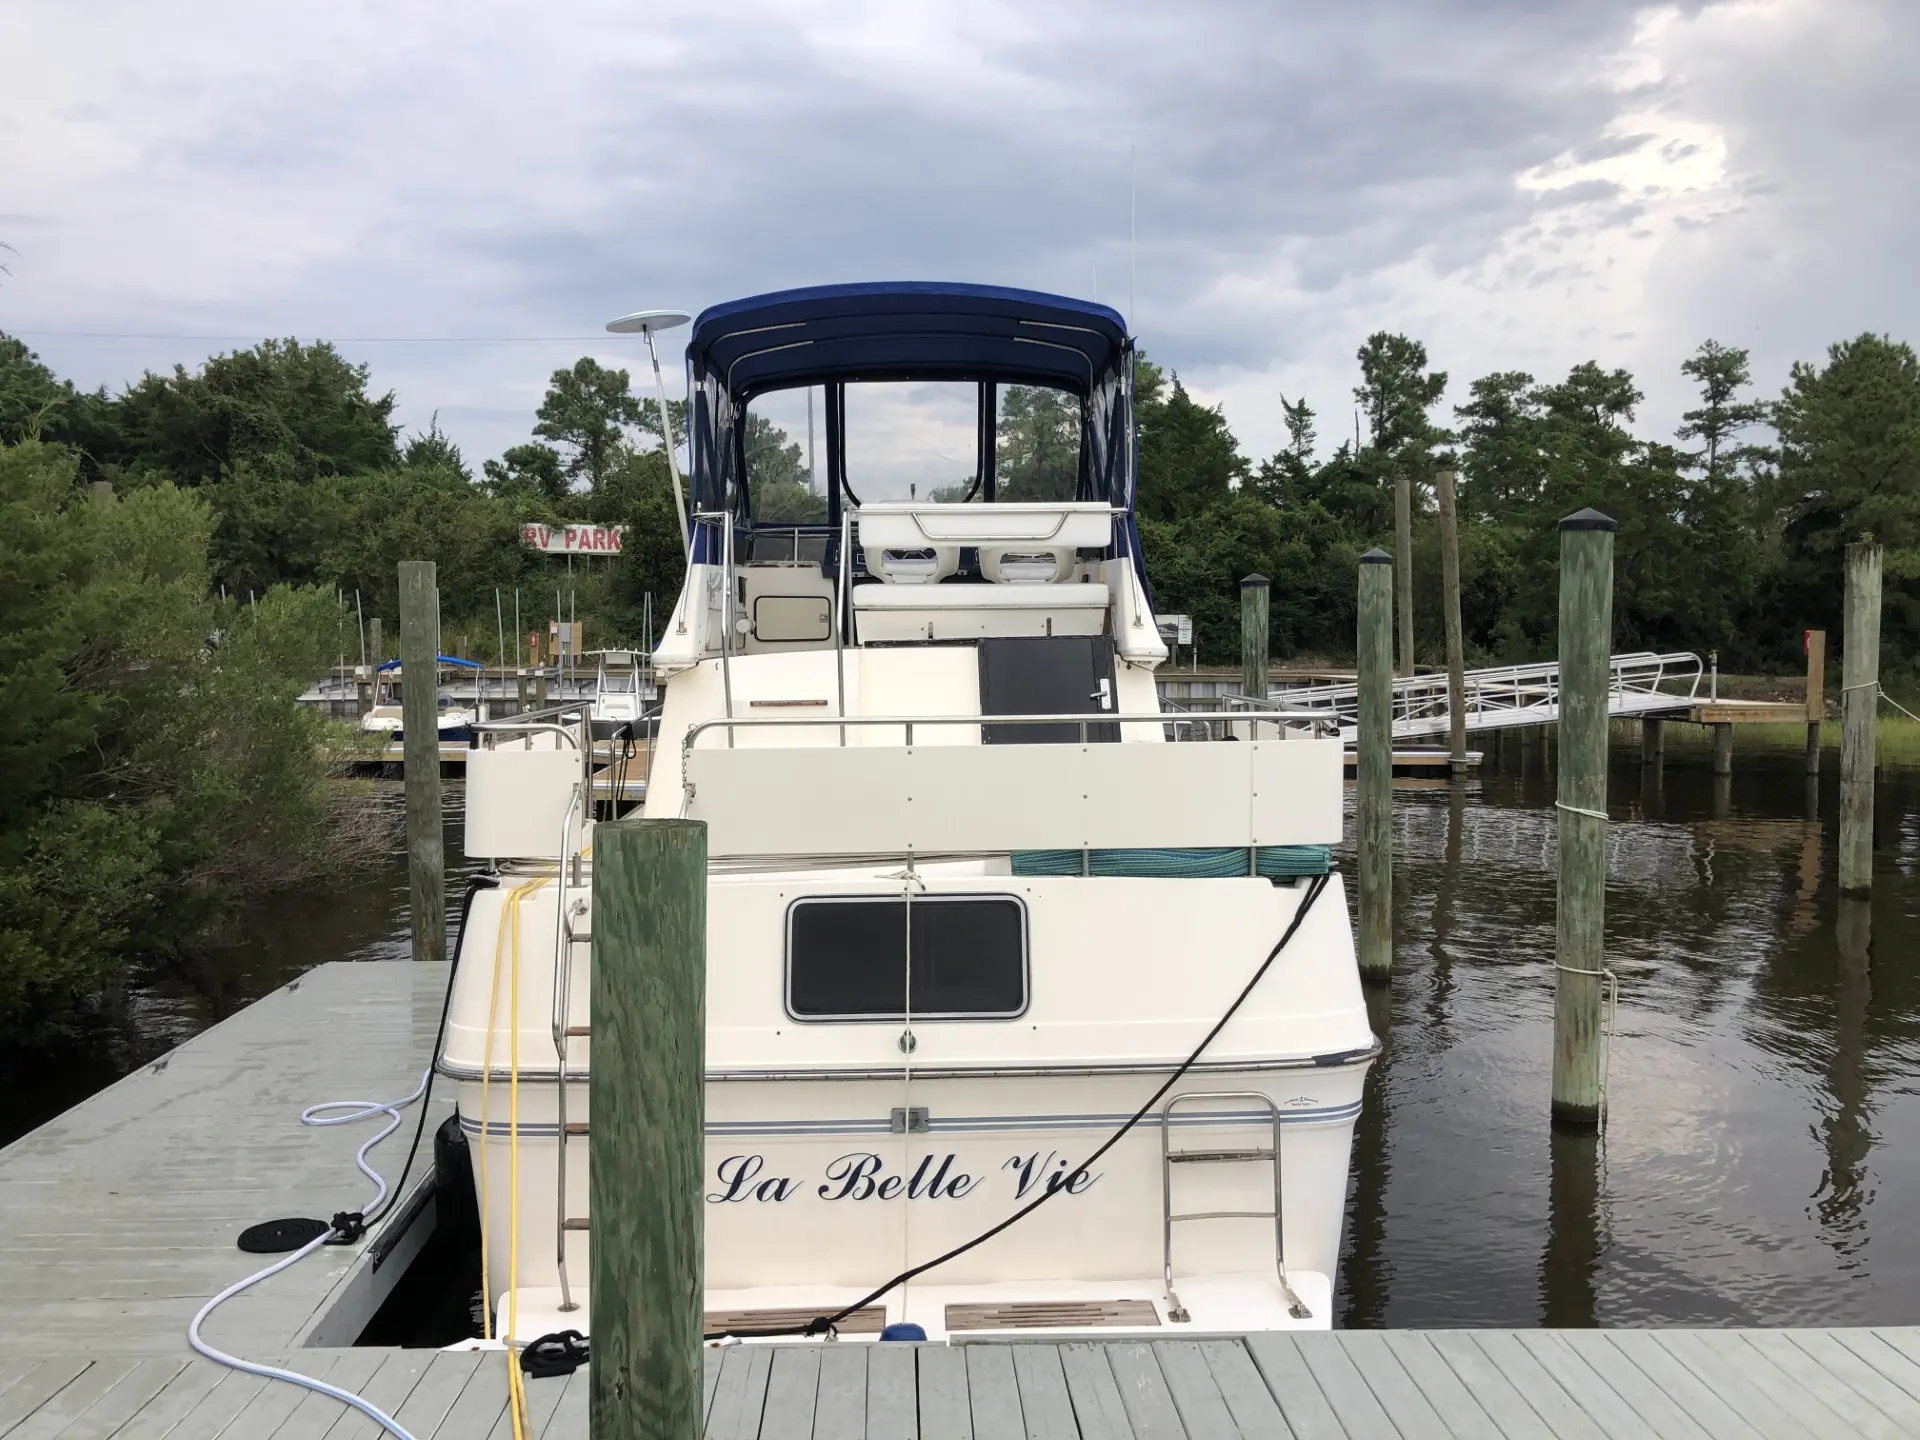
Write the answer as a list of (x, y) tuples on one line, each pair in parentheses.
[(463, 193)]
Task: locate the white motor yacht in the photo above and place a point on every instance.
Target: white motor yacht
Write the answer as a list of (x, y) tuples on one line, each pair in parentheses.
[(971, 907)]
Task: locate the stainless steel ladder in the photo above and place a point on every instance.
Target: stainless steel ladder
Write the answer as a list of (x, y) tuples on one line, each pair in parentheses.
[(565, 937), (1169, 1157)]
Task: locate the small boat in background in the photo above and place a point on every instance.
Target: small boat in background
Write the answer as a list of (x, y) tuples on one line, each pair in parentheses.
[(622, 690), (455, 721)]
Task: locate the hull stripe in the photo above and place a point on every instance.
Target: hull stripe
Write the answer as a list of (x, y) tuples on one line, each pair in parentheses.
[(963, 1125)]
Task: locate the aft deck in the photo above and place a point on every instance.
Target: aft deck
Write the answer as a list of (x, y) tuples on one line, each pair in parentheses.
[(119, 1217)]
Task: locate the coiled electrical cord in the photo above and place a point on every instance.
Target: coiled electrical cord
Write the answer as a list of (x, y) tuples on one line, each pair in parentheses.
[(348, 1226), (823, 1324)]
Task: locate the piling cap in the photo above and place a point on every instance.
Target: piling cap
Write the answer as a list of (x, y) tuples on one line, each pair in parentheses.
[(1376, 556), (1589, 519), (1254, 579)]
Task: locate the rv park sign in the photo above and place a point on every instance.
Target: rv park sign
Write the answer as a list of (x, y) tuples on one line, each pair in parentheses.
[(573, 539)]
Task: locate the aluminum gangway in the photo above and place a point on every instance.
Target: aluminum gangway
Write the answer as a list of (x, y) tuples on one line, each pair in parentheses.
[(1501, 697)]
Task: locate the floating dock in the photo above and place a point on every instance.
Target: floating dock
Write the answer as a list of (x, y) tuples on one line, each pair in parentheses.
[(118, 1218)]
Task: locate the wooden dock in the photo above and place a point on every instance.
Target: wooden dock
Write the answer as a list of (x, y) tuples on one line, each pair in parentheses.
[(117, 1221)]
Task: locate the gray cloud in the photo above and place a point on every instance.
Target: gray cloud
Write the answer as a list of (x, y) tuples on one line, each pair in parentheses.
[(1519, 184)]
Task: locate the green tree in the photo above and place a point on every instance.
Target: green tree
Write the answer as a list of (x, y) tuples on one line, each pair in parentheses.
[(781, 490), (1397, 390), (1502, 456), (1036, 444), (532, 471), (1189, 459), (1722, 372), (432, 450), (302, 409), (587, 410)]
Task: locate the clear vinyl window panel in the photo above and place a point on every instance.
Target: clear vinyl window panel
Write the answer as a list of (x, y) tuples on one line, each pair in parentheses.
[(846, 958)]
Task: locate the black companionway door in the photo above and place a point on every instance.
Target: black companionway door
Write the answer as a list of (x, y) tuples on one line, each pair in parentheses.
[(1047, 675)]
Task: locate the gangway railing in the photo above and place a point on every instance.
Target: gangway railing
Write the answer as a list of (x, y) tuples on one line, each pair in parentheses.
[(1499, 697)]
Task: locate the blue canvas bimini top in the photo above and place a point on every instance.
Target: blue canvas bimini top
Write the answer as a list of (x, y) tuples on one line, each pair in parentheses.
[(904, 330)]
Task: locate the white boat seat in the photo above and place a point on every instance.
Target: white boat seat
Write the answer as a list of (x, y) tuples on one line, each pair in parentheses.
[(922, 565), (1027, 564), (1089, 596)]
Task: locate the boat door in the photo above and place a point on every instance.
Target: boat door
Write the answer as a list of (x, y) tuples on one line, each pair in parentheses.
[(1047, 675)]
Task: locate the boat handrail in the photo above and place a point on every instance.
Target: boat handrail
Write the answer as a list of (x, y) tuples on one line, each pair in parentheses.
[(1313, 719)]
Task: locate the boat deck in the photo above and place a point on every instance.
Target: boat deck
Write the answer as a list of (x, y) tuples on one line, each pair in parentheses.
[(117, 1221)]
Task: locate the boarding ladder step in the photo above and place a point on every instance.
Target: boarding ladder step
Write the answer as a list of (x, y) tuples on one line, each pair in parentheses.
[(575, 1222), (1268, 1154)]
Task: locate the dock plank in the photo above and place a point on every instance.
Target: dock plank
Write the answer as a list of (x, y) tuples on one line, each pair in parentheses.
[(893, 1396), (1045, 1403), (482, 1403), (563, 1406), (1251, 1404), (1877, 1354), (710, 1360), (276, 1400), (741, 1396), (129, 1396), (315, 1415), (1294, 1388), (61, 1409), (993, 1394), (1143, 1392), (1399, 1394), (1721, 1393), (1459, 1412), (1496, 1396), (216, 1411), (36, 1388), (946, 1410), (1863, 1413), (1672, 1379), (791, 1386), (1743, 1371), (840, 1404), (1095, 1395), (433, 1399), (1345, 1388), (1537, 1386), (1658, 1412), (1196, 1394)]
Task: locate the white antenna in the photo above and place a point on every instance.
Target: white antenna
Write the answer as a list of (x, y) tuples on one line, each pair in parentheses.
[(1133, 238)]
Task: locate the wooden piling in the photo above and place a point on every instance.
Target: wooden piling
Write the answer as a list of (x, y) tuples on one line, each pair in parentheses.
[(1456, 641), (1816, 642), (1255, 599), (420, 742), (646, 1166), (1723, 749), (1373, 767), (1403, 566), (373, 639), (1586, 632), (1859, 704), (1653, 742)]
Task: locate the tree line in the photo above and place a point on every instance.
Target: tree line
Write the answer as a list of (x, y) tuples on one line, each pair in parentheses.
[(179, 559)]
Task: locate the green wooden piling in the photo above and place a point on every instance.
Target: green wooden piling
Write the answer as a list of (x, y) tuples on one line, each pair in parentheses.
[(1816, 642), (1373, 767), (1859, 703), (1255, 605), (1403, 566), (1723, 749), (1653, 743), (646, 1166), (1456, 641), (1586, 634), (420, 744)]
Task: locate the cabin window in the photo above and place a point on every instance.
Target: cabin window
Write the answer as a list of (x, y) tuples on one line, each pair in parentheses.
[(846, 958)]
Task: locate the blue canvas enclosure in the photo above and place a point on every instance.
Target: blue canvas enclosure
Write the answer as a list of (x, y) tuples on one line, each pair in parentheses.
[(834, 335)]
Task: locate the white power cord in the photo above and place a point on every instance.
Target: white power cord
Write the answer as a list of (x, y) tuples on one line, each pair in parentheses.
[(317, 1115)]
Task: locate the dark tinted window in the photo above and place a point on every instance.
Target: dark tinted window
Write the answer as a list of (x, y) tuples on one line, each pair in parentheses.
[(846, 957)]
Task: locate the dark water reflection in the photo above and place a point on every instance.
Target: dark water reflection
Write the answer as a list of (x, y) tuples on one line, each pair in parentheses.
[(1759, 1164)]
